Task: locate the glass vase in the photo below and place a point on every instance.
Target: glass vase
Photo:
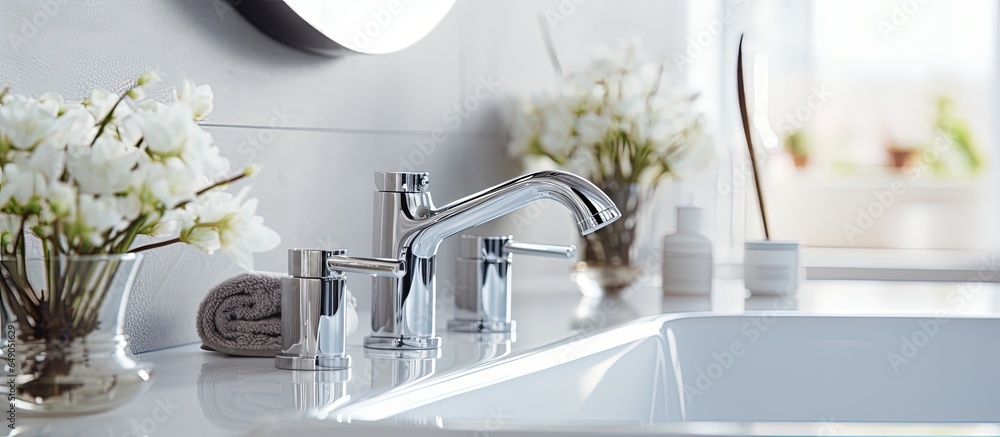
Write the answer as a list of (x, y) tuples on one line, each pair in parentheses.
[(66, 349), (611, 259)]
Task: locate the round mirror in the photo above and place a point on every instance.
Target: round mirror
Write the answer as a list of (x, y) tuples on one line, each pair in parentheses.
[(331, 26)]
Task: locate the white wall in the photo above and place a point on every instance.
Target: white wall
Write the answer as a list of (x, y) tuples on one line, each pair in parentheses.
[(320, 126)]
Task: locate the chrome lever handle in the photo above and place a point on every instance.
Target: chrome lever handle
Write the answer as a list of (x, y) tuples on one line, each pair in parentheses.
[(546, 250), (370, 266)]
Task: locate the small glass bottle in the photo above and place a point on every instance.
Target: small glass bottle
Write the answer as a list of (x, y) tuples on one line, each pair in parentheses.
[(687, 257)]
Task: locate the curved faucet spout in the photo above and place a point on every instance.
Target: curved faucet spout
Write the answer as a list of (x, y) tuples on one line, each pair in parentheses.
[(590, 206), (408, 227)]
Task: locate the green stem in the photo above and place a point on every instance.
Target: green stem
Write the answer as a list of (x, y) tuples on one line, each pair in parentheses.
[(155, 245), (96, 290), (210, 187), (110, 115), (221, 183), (133, 230), (12, 303)]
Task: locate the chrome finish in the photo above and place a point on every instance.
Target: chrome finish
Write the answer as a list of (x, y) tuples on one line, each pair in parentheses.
[(313, 325), (394, 370), (482, 298), (312, 392), (402, 354), (374, 266), (394, 373), (408, 227), (489, 248), (402, 342), (402, 182), (546, 250), (480, 325), (311, 263), (480, 347)]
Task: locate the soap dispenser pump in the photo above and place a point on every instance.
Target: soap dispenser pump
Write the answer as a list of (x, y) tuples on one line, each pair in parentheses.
[(687, 257)]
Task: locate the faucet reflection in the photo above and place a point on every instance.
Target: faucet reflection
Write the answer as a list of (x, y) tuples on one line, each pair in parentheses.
[(244, 395)]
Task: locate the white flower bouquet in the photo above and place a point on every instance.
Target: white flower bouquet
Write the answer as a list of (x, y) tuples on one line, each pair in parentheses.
[(616, 120), (618, 123), (85, 179)]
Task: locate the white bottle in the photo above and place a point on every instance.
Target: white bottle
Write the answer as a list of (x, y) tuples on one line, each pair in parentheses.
[(687, 257)]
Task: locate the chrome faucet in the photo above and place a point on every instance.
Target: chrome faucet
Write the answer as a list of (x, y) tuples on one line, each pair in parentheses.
[(409, 228)]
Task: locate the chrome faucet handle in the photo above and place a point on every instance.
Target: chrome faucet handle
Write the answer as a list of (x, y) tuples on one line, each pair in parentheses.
[(372, 266), (313, 323), (482, 295), (546, 250)]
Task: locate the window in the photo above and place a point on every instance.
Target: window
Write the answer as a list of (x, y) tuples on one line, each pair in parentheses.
[(876, 115)]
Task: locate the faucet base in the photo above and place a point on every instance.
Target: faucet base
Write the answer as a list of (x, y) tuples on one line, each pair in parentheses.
[(402, 354), (402, 343), (288, 362), (483, 326)]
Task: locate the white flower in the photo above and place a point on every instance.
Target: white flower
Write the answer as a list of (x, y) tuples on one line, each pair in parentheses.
[(61, 198), (245, 234), (100, 103), (29, 173), (149, 105), (149, 79), (628, 110), (105, 168), (129, 206), (9, 225), (128, 130), (172, 222), (151, 160), (556, 134), (197, 97), (556, 126), (52, 103), (204, 238), (74, 126), (171, 182), (25, 123), (173, 133), (240, 231), (99, 214), (167, 133), (204, 157), (47, 159), (591, 128), (20, 184), (619, 100)]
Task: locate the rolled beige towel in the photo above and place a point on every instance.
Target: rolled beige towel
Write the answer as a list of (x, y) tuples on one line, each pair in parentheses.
[(241, 316)]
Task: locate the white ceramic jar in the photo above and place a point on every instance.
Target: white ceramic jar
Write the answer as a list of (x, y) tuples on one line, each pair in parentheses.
[(771, 268)]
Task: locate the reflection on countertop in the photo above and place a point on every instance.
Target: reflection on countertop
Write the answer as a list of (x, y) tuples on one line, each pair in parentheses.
[(205, 393)]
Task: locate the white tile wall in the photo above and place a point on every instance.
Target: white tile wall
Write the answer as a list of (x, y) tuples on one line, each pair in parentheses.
[(336, 120)]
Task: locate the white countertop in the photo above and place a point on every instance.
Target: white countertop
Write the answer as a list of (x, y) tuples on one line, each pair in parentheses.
[(201, 393)]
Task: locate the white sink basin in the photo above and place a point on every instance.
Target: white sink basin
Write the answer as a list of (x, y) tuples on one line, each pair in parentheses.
[(753, 367)]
